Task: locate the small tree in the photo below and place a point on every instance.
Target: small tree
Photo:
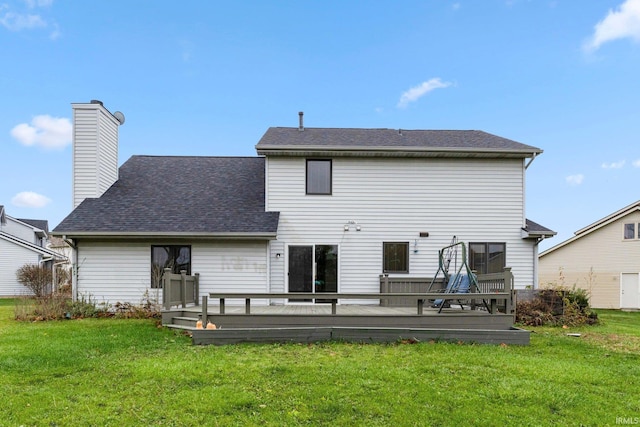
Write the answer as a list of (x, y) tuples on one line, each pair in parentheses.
[(36, 278)]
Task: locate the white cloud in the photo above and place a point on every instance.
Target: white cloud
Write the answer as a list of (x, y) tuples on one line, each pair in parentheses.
[(421, 90), (575, 179), (29, 199), (38, 3), (28, 19), (618, 24), (17, 22), (614, 165), (636, 163), (45, 131)]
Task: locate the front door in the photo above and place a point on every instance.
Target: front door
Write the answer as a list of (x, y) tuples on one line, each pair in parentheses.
[(630, 290), (313, 269)]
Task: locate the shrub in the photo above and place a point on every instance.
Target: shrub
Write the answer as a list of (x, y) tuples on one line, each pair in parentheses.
[(49, 307), (557, 307), (85, 306), (36, 278)]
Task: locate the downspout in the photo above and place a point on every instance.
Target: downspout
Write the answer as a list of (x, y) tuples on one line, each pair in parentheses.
[(533, 157), (536, 285), (74, 267)]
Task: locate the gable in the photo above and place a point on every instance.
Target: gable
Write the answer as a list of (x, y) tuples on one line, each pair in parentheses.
[(612, 223)]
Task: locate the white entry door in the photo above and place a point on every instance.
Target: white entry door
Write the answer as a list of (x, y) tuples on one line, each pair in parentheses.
[(630, 290)]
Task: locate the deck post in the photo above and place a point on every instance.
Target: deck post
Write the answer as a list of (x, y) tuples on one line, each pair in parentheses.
[(247, 306), (333, 306), (166, 289), (205, 310), (183, 287), (221, 305), (197, 288), (420, 306), (508, 287)]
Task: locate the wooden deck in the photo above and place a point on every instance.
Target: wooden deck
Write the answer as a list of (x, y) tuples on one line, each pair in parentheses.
[(344, 322)]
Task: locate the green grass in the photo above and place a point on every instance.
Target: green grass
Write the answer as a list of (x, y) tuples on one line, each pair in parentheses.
[(130, 372)]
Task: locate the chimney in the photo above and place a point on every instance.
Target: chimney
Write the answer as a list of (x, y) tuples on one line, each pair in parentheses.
[(95, 150), (301, 126)]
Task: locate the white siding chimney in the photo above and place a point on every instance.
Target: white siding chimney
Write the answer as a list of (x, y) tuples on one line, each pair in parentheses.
[(95, 150)]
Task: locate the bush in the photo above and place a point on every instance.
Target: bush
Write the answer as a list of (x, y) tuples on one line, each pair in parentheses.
[(557, 307), (60, 306), (36, 278)]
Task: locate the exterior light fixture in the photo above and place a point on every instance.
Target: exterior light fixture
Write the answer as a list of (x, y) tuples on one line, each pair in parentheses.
[(350, 223)]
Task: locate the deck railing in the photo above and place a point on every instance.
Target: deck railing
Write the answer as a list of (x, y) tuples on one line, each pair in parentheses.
[(492, 299), (487, 284), (179, 289)]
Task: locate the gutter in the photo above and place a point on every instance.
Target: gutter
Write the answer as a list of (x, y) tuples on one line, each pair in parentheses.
[(138, 235), (339, 151)]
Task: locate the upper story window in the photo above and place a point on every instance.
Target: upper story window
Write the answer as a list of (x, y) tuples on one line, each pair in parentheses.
[(632, 231), (319, 176), (486, 258), (395, 257)]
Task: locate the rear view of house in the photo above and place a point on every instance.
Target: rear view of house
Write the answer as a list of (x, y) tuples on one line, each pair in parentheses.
[(319, 210), (602, 258)]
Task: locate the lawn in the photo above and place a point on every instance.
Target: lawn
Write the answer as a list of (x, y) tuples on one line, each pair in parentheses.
[(130, 372)]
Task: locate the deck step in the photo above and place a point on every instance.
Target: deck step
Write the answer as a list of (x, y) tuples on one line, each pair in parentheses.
[(181, 327), (184, 321)]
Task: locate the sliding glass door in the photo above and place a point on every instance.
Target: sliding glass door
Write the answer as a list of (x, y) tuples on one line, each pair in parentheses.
[(313, 269)]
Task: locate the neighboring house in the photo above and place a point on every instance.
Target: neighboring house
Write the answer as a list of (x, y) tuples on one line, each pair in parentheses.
[(22, 241), (319, 210), (602, 258)]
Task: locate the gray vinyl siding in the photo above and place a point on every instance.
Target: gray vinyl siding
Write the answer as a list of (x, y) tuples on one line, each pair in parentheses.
[(95, 151), (477, 200), (595, 262), (12, 257), (120, 272), (114, 272), (20, 230)]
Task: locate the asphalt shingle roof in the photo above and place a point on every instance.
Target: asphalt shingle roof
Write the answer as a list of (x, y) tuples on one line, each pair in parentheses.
[(399, 139), (534, 227), (158, 194), (42, 224)]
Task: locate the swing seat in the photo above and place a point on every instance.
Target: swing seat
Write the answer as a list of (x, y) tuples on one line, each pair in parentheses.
[(458, 284)]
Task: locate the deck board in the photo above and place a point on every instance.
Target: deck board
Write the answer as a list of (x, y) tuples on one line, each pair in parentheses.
[(363, 323)]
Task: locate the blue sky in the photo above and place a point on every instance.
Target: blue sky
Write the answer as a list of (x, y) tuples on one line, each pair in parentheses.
[(209, 77)]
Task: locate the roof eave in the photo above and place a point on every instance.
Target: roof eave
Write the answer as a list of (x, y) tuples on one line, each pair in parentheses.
[(537, 234), (296, 150), (144, 235)]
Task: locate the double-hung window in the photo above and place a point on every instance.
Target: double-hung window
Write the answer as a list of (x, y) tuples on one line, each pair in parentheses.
[(319, 176), (632, 231)]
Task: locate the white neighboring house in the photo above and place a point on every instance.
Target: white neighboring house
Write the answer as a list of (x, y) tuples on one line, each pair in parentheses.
[(602, 258), (319, 210), (22, 241)]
